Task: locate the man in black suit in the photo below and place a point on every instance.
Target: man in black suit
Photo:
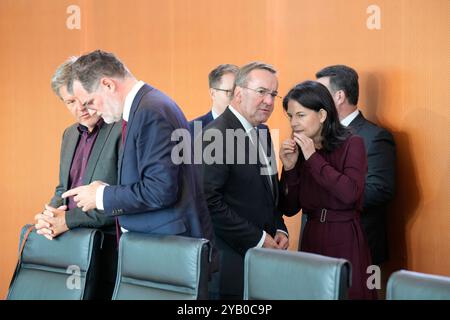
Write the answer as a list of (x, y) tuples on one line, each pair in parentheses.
[(221, 82), (342, 81), (242, 194)]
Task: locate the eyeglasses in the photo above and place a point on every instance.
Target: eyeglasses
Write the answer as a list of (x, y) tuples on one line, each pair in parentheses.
[(228, 92), (262, 92)]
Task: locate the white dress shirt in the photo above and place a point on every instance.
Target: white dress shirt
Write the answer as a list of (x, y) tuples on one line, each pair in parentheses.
[(214, 113), (125, 116), (348, 119)]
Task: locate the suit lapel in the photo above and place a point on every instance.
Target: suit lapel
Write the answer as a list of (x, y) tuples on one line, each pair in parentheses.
[(119, 164), (134, 106), (234, 123), (68, 152), (357, 123), (269, 182), (96, 151), (274, 177), (208, 118)]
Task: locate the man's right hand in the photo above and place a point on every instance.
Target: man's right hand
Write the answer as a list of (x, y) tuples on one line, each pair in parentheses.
[(42, 226)]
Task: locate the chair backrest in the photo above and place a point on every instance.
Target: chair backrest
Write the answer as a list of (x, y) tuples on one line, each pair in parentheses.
[(65, 268), (277, 274), (162, 267), (408, 285)]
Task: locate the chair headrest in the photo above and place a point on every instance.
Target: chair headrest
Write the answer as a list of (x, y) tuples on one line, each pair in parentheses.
[(409, 285), (70, 248), (157, 258), (284, 272)]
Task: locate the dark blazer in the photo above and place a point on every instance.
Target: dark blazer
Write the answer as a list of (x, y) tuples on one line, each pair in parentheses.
[(204, 119), (102, 165), (242, 204), (154, 194), (380, 184)]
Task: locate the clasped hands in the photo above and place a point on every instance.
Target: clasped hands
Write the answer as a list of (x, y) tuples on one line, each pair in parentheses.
[(52, 221), (280, 241)]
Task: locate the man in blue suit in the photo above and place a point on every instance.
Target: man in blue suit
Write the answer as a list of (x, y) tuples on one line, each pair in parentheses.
[(221, 83), (154, 194)]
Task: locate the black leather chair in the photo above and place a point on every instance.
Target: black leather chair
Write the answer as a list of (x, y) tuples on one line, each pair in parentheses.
[(162, 267), (277, 274), (65, 268), (408, 285)]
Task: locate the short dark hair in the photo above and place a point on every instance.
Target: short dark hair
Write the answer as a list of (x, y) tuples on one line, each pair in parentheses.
[(315, 96), (342, 78), (91, 67), (215, 76)]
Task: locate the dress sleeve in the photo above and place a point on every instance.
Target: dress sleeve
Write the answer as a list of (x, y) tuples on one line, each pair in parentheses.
[(289, 204), (348, 185)]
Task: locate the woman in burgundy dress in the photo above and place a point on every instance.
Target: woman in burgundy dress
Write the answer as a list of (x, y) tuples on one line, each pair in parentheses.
[(324, 169)]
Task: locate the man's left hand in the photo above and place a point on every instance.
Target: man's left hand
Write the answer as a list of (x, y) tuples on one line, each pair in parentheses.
[(52, 222)]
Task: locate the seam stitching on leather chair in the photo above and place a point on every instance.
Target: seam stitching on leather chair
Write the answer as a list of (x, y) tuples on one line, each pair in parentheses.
[(156, 285)]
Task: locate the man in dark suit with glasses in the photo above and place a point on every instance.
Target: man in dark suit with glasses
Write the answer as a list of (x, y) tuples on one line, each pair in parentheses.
[(221, 82)]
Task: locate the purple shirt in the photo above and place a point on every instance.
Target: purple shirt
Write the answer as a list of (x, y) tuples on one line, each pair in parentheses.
[(81, 157)]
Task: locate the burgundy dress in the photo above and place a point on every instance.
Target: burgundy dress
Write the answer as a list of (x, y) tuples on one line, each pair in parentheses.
[(329, 188)]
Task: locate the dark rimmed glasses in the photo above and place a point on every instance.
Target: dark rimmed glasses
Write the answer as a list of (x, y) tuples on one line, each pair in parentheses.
[(227, 91), (262, 92)]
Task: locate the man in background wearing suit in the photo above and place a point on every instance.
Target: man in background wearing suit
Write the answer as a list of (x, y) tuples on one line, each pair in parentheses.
[(154, 194), (241, 199), (89, 152), (221, 82), (342, 82)]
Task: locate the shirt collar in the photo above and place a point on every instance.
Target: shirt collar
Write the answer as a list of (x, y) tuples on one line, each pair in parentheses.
[(81, 128), (129, 99), (214, 114), (247, 125), (348, 119)]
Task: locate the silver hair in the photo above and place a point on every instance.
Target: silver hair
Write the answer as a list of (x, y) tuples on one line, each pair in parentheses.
[(242, 76), (62, 75)]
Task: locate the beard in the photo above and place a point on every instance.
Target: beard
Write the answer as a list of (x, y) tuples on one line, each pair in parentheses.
[(114, 113), (108, 119)]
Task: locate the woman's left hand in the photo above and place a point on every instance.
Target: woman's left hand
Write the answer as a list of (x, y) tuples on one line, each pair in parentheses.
[(305, 143)]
